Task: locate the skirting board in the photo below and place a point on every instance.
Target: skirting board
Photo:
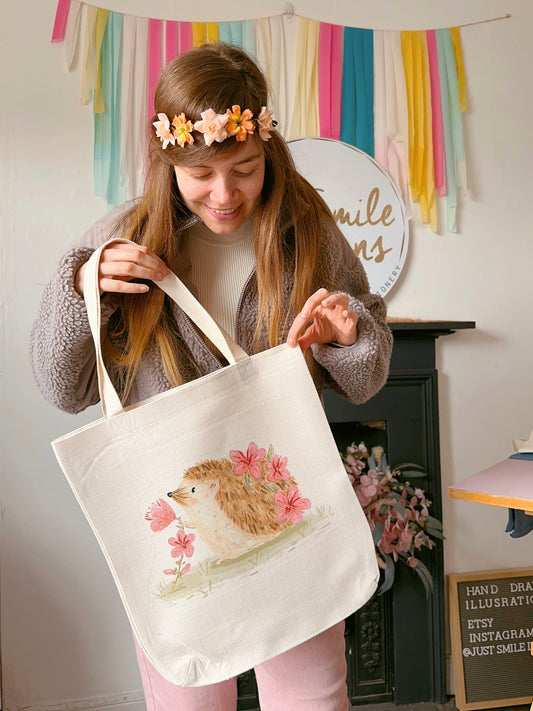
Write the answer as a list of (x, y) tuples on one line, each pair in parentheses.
[(124, 702)]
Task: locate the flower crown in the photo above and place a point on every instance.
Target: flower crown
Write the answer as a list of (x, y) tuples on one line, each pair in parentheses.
[(215, 127)]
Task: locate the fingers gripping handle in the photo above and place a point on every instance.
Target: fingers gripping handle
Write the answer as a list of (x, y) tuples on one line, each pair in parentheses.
[(179, 293)]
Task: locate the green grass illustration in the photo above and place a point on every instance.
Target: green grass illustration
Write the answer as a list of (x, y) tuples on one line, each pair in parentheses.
[(204, 576)]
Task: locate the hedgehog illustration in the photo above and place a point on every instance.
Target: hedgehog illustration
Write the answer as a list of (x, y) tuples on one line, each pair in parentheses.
[(233, 514)]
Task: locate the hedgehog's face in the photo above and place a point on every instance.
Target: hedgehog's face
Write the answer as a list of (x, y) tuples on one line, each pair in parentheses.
[(191, 492)]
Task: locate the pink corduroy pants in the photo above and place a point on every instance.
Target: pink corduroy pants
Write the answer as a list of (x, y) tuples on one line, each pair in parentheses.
[(310, 677)]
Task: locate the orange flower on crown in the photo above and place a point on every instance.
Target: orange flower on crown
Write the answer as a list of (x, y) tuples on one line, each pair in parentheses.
[(182, 130), (239, 124)]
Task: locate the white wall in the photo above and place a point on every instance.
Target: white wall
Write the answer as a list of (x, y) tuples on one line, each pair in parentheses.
[(65, 638)]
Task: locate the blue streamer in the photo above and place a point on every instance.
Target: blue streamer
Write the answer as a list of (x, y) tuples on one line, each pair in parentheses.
[(230, 33), (451, 178), (453, 142), (249, 41), (357, 118), (107, 182)]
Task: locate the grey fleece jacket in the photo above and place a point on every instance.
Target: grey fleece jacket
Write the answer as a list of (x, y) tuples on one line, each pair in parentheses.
[(62, 351)]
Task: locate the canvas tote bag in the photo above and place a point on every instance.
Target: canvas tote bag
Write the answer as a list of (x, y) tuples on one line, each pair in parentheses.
[(222, 508)]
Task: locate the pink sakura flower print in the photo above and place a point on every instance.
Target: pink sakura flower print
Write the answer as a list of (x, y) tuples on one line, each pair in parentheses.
[(175, 571), (278, 469), (291, 505), (182, 544), (213, 126), (160, 514), (248, 462)]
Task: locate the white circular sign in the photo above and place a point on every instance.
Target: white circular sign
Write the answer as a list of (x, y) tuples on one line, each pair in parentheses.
[(365, 202)]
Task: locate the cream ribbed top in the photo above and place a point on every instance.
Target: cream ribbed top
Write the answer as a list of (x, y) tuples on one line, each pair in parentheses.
[(221, 264)]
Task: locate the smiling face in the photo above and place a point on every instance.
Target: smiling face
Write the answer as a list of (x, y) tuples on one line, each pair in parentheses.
[(224, 192)]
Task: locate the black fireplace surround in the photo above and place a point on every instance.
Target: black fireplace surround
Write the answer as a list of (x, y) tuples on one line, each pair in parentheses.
[(395, 644)]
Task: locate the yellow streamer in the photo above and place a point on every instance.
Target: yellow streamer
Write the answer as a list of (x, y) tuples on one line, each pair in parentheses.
[(421, 171), (89, 58), (199, 34), (461, 76), (305, 118), (212, 32), (101, 22)]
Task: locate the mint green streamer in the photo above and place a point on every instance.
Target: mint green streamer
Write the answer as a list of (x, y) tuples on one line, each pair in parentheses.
[(230, 32), (249, 42), (449, 160), (107, 182), (453, 139)]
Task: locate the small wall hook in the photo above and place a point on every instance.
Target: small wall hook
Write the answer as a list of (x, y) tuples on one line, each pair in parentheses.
[(288, 9)]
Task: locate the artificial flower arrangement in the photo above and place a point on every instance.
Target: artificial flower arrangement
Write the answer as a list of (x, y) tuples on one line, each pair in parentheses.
[(397, 512)]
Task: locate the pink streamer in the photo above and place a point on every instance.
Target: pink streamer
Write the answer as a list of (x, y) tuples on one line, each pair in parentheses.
[(330, 79), (439, 160), (171, 40), (60, 23), (154, 60), (185, 31)]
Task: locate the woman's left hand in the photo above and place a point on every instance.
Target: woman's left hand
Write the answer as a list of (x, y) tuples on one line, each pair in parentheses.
[(325, 318)]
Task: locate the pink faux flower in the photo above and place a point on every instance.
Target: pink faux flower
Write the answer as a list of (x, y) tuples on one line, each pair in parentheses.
[(213, 126), (182, 544), (278, 469), (291, 505), (265, 123), (162, 130), (185, 569), (248, 462), (160, 514), (367, 489)]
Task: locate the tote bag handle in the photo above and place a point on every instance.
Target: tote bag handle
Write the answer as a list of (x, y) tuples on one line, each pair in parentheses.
[(179, 293)]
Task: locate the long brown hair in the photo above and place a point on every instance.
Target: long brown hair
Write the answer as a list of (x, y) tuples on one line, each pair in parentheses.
[(287, 224)]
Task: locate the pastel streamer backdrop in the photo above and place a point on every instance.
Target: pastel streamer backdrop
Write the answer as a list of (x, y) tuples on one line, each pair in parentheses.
[(398, 96)]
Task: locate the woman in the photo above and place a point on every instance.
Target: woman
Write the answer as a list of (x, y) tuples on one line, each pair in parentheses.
[(226, 210)]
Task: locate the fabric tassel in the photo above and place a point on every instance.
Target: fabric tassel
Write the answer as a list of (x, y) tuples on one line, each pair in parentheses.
[(357, 122), (454, 151), (134, 105), (421, 175), (461, 76), (283, 35), (107, 123), (199, 34), (265, 61), (89, 65), (230, 33), (330, 80), (305, 118), (451, 180), (212, 32), (391, 124), (60, 22), (171, 41), (185, 36), (72, 33), (154, 59), (249, 38), (101, 24), (436, 112)]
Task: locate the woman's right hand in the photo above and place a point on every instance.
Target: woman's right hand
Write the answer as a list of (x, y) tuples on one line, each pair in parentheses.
[(121, 262)]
